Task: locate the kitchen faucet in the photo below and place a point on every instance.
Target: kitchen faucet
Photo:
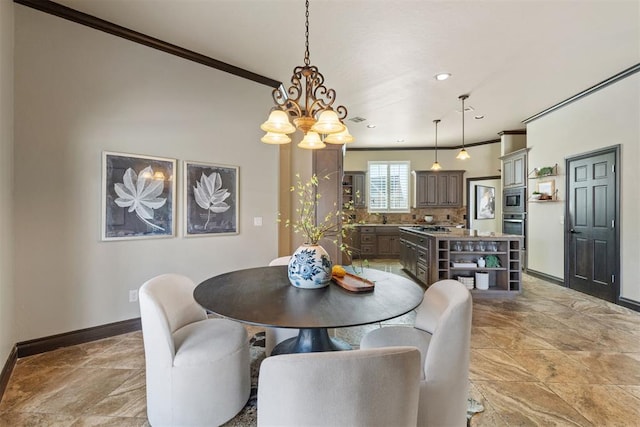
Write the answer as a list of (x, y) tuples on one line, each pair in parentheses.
[(384, 219)]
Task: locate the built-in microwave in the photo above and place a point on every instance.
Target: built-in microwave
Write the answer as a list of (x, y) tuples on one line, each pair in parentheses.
[(514, 200)]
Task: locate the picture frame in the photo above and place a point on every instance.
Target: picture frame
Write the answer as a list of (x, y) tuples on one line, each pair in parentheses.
[(485, 202), (546, 188), (138, 196), (211, 199)]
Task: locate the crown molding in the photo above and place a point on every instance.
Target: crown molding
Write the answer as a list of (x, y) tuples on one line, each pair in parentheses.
[(91, 21)]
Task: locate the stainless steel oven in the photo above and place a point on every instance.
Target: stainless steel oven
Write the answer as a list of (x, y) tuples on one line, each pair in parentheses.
[(514, 200), (513, 224), (516, 223)]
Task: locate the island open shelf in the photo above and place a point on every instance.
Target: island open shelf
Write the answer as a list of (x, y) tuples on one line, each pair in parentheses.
[(455, 255)]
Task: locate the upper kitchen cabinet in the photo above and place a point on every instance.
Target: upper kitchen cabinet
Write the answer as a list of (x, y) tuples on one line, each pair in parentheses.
[(514, 169), (354, 186), (438, 189)]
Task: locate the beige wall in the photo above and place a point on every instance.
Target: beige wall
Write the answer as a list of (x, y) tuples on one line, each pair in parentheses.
[(605, 118), (495, 224), (78, 92), (483, 162), (7, 333)]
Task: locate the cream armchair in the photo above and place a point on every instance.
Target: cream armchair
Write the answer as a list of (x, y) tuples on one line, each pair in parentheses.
[(274, 336), (442, 333), (197, 369), (358, 388)]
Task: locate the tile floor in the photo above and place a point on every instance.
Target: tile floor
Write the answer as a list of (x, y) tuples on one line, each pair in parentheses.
[(550, 356)]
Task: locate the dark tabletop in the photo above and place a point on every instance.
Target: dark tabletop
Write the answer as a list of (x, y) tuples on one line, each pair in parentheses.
[(264, 296)]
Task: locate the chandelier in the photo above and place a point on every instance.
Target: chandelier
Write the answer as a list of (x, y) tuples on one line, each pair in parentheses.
[(309, 102), (463, 155), (436, 166)]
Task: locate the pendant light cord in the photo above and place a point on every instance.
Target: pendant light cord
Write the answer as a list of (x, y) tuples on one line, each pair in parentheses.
[(436, 122)]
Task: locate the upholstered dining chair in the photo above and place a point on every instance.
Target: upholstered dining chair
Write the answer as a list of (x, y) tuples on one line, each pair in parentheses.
[(197, 369), (367, 388), (442, 333), (274, 336)]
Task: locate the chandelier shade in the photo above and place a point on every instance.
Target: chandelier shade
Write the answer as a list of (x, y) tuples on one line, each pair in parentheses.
[(311, 141), (463, 155), (275, 138), (309, 103), (343, 137), (328, 123), (278, 122)]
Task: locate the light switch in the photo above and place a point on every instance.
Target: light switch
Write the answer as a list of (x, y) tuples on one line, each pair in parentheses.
[(257, 221), (561, 219)]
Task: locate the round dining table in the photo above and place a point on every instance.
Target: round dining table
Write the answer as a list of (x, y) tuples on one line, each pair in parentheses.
[(264, 296)]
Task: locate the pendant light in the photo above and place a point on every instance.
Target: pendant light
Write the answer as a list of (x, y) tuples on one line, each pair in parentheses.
[(463, 155), (436, 166)]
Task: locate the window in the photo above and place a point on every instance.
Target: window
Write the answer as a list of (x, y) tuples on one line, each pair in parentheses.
[(389, 186)]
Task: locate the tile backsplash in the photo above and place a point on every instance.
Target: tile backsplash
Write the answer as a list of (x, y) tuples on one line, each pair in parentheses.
[(441, 216)]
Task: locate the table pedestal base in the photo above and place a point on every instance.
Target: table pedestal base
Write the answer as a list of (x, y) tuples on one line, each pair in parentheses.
[(310, 340)]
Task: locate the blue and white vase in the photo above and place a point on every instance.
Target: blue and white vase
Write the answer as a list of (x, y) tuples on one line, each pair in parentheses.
[(310, 267)]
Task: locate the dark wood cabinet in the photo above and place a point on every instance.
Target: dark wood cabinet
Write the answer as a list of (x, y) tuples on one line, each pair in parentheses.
[(438, 189), (414, 255), (388, 246), (368, 242), (354, 188), (328, 162), (379, 241), (514, 169)]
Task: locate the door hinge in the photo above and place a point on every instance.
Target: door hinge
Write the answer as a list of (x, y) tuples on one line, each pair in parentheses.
[(613, 278)]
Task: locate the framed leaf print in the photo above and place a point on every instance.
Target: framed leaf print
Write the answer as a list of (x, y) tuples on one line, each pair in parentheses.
[(210, 199), (138, 196)]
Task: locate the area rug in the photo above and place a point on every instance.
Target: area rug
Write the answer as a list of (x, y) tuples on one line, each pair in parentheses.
[(249, 414)]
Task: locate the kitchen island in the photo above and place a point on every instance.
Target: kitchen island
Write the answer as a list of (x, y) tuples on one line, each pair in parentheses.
[(490, 261)]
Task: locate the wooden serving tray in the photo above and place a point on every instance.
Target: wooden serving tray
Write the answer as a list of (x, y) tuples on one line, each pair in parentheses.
[(353, 283)]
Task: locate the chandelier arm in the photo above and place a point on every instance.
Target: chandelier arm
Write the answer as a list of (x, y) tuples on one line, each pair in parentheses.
[(341, 110)]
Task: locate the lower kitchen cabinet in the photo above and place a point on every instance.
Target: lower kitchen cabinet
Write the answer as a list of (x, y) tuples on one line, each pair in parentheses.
[(432, 257), (379, 241)]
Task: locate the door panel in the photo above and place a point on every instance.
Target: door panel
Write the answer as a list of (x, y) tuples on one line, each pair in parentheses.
[(592, 242)]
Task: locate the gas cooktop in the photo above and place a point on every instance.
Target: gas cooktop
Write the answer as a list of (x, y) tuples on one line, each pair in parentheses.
[(435, 228)]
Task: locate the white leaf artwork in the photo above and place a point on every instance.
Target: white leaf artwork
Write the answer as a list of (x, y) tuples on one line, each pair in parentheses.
[(209, 194), (140, 194)]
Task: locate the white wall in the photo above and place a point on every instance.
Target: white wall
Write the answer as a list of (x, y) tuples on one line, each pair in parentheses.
[(7, 333), (605, 118), (78, 92)]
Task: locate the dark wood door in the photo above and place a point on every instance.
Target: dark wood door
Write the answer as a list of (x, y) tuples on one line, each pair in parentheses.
[(592, 239)]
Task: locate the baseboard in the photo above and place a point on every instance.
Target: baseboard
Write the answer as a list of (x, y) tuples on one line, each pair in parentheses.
[(545, 277), (629, 303), (42, 345), (7, 370)]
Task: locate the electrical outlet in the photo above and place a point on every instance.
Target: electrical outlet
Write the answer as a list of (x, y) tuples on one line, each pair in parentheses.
[(133, 295)]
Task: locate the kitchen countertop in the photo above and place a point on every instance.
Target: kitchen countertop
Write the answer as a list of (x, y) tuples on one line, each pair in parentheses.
[(456, 233), (422, 224)]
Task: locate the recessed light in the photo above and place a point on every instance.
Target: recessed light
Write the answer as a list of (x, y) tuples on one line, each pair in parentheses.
[(442, 76), (371, 126), (400, 140), (479, 117)]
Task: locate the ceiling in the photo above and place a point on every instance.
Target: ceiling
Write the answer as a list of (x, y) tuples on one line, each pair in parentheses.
[(514, 58)]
